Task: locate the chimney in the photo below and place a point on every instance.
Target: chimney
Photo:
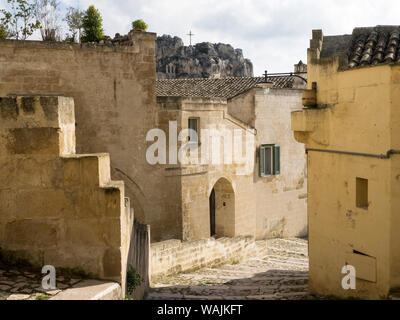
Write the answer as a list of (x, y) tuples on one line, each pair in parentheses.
[(300, 67)]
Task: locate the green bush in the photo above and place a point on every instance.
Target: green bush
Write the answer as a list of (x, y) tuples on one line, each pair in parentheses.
[(4, 32), (92, 25), (133, 280), (139, 25)]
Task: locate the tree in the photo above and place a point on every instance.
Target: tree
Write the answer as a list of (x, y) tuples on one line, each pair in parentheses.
[(47, 13), (5, 32), (20, 19), (139, 25), (92, 25), (74, 19)]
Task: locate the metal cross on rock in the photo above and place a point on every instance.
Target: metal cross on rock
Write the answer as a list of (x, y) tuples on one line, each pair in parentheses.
[(190, 34)]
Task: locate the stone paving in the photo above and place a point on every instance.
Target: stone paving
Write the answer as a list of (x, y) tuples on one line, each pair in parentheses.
[(278, 272), (20, 285)]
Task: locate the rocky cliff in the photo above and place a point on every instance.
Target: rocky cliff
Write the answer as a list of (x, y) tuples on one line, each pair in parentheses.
[(203, 60)]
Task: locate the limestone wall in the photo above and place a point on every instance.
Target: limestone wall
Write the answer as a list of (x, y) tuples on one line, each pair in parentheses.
[(189, 199), (243, 107), (174, 256), (58, 208), (114, 92)]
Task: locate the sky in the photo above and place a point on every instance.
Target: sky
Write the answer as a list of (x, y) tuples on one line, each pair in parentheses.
[(274, 34)]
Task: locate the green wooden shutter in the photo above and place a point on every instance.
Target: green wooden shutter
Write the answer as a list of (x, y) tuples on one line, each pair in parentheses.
[(277, 160), (262, 161)]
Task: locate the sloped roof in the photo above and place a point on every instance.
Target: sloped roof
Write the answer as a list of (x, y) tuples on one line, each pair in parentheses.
[(366, 46), (372, 46), (216, 88)]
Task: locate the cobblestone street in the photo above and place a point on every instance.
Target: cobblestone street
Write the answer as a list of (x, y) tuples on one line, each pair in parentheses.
[(20, 285), (279, 272)]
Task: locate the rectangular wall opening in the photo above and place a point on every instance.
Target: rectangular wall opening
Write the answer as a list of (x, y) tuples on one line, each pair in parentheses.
[(193, 126), (362, 193)]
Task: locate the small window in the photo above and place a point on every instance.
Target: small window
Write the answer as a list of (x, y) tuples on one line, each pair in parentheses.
[(277, 160), (362, 193), (270, 160), (193, 130)]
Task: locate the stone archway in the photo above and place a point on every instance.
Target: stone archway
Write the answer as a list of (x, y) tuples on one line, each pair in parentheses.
[(222, 209)]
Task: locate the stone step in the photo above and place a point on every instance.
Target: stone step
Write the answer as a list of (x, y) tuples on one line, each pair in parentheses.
[(262, 297), (196, 297), (215, 291), (288, 252), (244, 269), (287, 260), (276, 262), (164, 296), (236, 290), (91, 290), (277, 271), (292, 295), (202, 277)]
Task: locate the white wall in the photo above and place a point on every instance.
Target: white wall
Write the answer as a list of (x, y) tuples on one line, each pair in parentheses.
[(281, 200)]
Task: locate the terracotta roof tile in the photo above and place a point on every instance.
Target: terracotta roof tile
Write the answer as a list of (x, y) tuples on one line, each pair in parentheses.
[(372, 46), (217, 88)]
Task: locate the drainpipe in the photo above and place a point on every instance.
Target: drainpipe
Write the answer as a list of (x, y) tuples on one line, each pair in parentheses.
[(379, 156)]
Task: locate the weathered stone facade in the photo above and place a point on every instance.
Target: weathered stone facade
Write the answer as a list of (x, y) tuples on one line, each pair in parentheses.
[(57, 207), (281, 200), (187, 214), (246, 203), (113, 87)]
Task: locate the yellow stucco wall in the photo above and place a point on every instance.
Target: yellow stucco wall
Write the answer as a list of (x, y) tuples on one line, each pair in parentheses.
[(357, 112), (395, 180)]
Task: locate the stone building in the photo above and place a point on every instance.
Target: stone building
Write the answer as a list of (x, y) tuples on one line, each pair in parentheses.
[(351, 127), (57, 207), (264, 197), (113, 87)]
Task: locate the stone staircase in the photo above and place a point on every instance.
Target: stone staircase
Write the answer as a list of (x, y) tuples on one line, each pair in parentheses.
[(57, 207), (279, 271)]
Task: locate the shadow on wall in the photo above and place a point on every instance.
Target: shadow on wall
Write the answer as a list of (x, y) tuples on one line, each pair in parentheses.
[(303, 234), (222, 209), (277, 229), (135, 192)]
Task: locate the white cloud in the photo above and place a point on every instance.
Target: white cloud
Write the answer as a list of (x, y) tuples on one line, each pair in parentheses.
[(274, 34)]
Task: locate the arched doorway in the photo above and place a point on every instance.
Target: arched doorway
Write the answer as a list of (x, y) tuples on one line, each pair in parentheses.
[(222, 209)]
